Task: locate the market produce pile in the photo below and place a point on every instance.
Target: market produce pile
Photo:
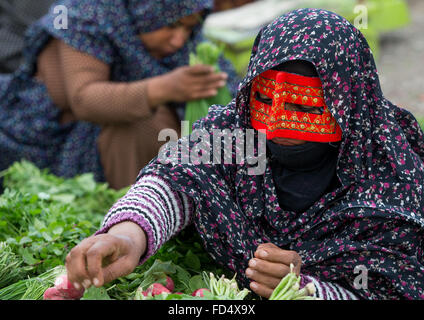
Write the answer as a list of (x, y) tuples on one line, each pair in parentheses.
[(43, 216)]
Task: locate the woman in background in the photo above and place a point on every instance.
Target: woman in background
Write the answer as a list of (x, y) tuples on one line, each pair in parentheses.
[(93, 96)]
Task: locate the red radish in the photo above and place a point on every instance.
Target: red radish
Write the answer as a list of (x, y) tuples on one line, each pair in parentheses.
[(52, 294), (155, 289), (141, 295), (169, 284), (67, 289), (200, 292)]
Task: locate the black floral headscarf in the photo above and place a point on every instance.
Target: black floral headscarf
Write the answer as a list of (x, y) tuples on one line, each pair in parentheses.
[(374, 220)]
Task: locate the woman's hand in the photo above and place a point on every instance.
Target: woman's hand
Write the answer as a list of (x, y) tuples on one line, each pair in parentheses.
[(269, 266), (100, 259), (185, 84)]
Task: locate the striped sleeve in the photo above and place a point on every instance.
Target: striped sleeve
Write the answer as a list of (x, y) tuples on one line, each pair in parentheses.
[(327, 290), (155, 207)]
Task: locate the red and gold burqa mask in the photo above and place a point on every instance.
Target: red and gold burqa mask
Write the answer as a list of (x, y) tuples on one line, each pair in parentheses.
[(282, 88)]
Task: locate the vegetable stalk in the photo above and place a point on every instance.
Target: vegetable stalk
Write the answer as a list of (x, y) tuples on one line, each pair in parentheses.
[(289, 288), (226, 289)]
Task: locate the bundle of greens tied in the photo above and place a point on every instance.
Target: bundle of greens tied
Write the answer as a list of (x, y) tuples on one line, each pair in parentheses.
[(206, 53), (31, 288), (10, 265)]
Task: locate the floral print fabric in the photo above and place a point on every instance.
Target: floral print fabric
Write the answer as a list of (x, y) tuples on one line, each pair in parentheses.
[(374, 219)]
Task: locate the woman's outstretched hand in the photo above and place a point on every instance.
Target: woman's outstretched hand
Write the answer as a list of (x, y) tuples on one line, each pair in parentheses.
[(269, 265), (186, 83), (100, 259)]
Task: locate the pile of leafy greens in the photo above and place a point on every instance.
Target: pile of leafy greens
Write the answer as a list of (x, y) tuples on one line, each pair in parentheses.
[(42, 217)]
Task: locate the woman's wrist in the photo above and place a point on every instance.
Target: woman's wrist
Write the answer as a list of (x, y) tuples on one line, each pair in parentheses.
[(157, 91)]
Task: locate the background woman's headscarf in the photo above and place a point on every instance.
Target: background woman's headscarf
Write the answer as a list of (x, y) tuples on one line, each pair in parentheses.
[(374, 219), (109, 30)]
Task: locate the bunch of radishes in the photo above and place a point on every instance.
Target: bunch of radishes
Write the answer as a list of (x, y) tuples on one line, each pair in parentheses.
[(159, 290), (63, 290), (219, 289)]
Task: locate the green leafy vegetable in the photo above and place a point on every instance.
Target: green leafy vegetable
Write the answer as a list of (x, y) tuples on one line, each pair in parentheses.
[(88, 198), (94, 293), (49, 215), (206, 53)]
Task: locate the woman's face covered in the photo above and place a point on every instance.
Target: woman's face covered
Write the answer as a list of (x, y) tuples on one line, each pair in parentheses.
[(288, 102), (290, 105)]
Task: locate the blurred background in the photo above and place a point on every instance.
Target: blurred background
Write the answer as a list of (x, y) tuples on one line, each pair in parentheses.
[(401, 62), (393, 28)]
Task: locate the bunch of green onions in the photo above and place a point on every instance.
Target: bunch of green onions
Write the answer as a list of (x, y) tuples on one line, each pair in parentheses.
[(226, 289), (10, 265), (289, 288), (31, 288)]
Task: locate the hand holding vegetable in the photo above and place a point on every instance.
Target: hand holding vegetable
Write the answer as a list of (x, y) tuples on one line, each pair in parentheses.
[(100, 259), (63, 290), (269, 266), (185, 84)]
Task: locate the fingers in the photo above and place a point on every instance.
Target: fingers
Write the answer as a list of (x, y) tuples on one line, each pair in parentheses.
[(206, 89), (263, 278), (269, 266), (276, 270), (107, 261), (207, 83), (117, 269), (272, 253), (261, 289), (194, 82), (200, 69), (208, 73), (213, 79), (95, 256), (85, 262), (205, 75), (76, 263)]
